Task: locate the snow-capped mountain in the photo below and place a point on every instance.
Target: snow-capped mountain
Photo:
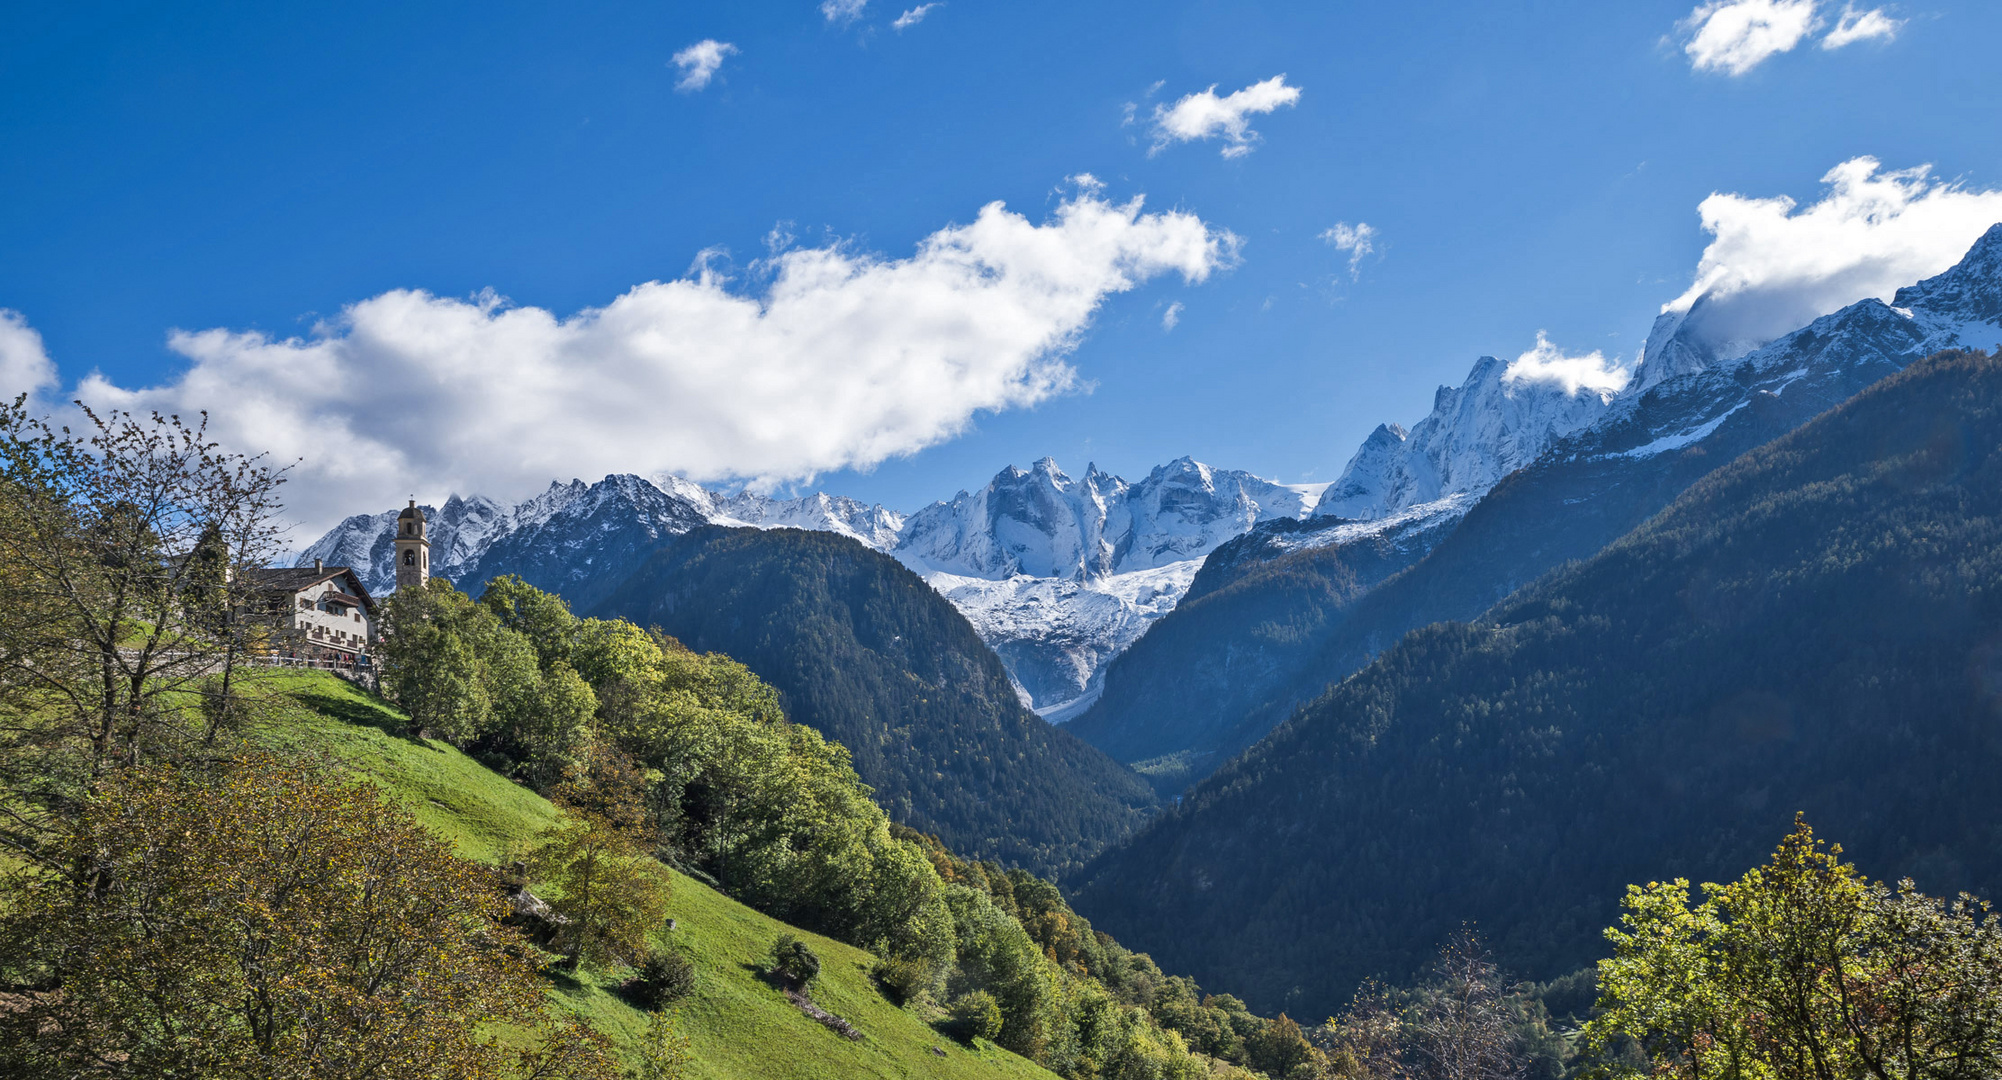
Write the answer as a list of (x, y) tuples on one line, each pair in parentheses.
[(874, 525), (460, 532), (1059, 574), (1695, 390), (1207, 681), (1496, 422)]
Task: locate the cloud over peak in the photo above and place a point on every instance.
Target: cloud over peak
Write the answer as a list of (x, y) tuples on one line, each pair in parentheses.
[(1204, 115), (840, 360), (700, 61), (1546, 363), (1773, 265)]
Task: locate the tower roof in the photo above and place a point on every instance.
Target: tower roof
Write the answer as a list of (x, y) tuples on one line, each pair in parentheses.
[(411, 511)]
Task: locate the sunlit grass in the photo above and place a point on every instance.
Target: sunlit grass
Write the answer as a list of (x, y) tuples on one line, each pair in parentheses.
[(740, 1028)]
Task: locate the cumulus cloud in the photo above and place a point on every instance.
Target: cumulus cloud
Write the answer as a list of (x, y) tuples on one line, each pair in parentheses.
[(1735, 36), (699, 62), (1207, 116), (1772, 266), (25, 367), (1546, 363), (842, 11), (914, 16), (839, 359), (1171, 316), (1855, 26), (1359, 240)]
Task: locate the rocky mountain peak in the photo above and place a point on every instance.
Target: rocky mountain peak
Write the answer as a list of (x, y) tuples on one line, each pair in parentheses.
[(1495, 422), (1970, 292)]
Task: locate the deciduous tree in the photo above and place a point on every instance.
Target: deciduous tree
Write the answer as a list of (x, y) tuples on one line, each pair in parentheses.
[(266, 919), (1804, 969)]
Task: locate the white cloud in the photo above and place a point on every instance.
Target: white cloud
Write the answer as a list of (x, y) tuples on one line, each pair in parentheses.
[(1546, 363), (842, 11), (841, 359), (698, 62), (1855, 26), (1735, 36), (1205, 115), (1359, 240), (25, 367), (1171, 316), (914, 16), (1772, 266)]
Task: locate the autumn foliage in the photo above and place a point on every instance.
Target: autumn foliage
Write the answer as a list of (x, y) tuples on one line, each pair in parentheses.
[(270, 920)]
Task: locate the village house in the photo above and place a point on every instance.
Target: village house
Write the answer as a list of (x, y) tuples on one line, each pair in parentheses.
[(318, 612)]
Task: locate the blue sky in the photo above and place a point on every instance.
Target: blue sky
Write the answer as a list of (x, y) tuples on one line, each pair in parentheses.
[(1523, 167)]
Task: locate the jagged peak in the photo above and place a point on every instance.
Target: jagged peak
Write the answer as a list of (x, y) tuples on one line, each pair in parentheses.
[(1386, 435), (1971, 289)]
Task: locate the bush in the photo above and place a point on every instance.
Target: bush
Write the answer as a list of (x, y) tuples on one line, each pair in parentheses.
[(664, 976), (905, 980), (975, 1015), (793, 963)]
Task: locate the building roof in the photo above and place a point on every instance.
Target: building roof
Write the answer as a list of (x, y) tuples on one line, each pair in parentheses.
[(411, 511), (300, 578)]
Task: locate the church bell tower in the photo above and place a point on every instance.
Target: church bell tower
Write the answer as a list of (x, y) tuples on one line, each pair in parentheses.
[(413, 551)]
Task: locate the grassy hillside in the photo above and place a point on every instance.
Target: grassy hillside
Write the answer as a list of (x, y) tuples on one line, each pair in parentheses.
[(1814, 627), (739, 1027)]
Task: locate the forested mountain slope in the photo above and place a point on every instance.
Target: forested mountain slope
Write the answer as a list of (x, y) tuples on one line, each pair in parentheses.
[(870, 656), (1816, 627), (1233, 650), (1271, 646)]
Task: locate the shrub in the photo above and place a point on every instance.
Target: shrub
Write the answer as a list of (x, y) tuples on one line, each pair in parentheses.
[(793, 963), (664, 976), (976, 1015), (906, 980)]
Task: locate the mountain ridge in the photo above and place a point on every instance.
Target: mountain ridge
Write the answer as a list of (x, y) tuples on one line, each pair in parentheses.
[(1268, 654), (1813, 626)]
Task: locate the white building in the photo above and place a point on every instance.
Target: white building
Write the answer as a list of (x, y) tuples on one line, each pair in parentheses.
[(319, 612)]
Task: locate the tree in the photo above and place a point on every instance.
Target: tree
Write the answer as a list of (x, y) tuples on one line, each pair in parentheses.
[(1464, 1031), (794, 962), (662, 1053), (429, 665), (266, 919), (556, 735), (612, 892), (542, 617), (1279, 1049), (1804, 969), (976, 1015), (124, 551)]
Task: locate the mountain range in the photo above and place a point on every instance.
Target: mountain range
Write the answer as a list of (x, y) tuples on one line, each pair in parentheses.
[(1277, 615), (1056, 574), (1176, 620), (1813, 627)]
